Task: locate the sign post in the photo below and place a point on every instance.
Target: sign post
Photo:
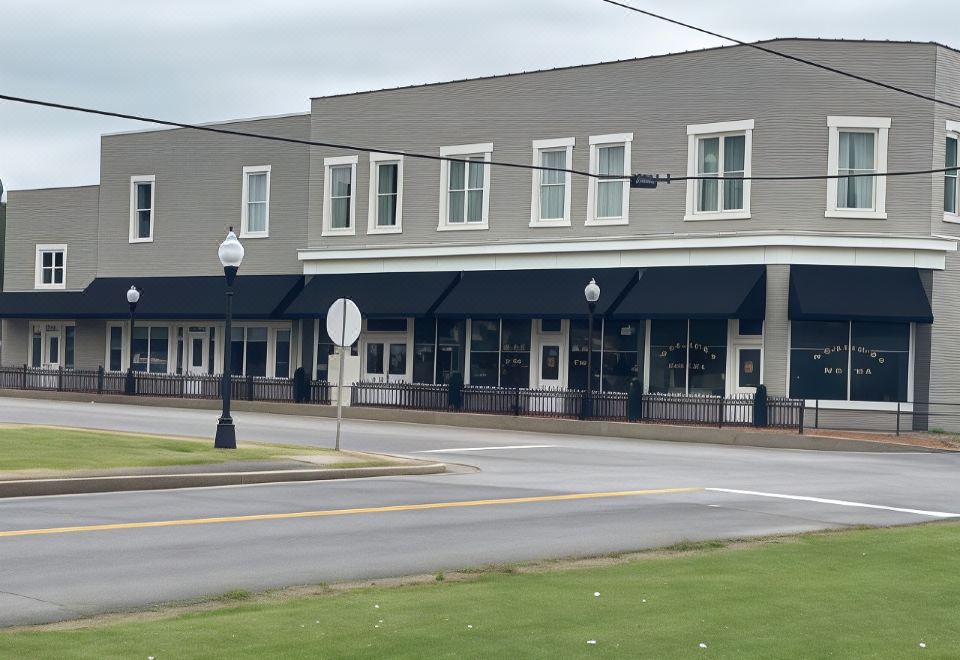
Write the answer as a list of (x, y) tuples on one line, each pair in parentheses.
[(343, 327)]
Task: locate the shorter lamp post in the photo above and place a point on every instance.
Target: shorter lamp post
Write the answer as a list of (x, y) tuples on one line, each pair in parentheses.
[(133, 297), (231, 255), (592, 293)]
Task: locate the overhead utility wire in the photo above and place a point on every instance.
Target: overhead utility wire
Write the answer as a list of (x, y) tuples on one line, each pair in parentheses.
[(771, 51), (522, 166)]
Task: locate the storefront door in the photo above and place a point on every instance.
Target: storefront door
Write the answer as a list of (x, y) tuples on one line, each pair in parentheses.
[(385, 359), (45, 346), (198, 348)]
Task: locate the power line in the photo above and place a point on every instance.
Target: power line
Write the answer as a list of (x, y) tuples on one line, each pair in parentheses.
[(785, 55), (800, 177)]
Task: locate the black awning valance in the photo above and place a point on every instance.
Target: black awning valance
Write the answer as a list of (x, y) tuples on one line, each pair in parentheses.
[(858, 293), (548, 293), (41, 305), (378, 295), (697, 292), (201, 297)]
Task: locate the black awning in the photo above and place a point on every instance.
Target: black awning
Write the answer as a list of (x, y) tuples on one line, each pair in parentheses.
[(41, 304), (697, 292), (202, 297), (378, 295), (553, 293), (858, 293)]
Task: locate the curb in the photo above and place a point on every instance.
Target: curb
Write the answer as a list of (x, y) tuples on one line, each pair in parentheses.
[(107, 484), (624, 430)]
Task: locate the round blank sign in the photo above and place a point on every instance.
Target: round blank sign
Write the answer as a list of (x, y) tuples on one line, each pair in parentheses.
[(343, 322)]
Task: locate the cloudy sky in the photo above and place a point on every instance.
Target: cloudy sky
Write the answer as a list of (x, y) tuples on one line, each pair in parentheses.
[(211, 60)]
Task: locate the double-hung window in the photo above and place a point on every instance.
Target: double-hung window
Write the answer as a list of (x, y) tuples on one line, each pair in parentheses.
[(465, 187), (385, 214), (719, 157), (608, 197), (550, 203), (255, 216), (951, 180), (339, 195), (857, 152), (143, 190), (51, 267)]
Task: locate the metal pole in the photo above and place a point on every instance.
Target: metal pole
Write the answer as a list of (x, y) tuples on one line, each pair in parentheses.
[(226, 437), (588, 403), (129, 385), (343, 333)]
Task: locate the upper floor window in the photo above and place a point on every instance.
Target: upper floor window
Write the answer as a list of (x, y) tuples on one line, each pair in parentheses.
[(142, 198), (857, 148), (386, 194), (51, 267), (608, 200), (718, 151), (550, 205), (339, 195), (465, 186), (951, 187), (255, 215)]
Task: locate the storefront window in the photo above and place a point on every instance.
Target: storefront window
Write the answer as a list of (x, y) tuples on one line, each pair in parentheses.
[(515, 354), (116, 348), (451, 348), (819, 357), (688, 356), (879, 361), (622, 348), (484, 351), (36, 348), (424, 345), (668, 357), (150, 349), (579, 337), (708, 356), (248, 351), (69, 344), (283, 354)]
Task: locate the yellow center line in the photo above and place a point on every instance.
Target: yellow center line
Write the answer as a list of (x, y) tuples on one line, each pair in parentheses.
[(341, 512)]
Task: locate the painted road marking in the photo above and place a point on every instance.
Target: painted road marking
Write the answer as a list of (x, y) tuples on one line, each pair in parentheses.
[(343, 512), (821, 500), (456, 449)]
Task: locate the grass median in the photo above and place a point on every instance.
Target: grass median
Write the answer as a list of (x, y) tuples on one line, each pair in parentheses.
[(877, 593), (49, 449)]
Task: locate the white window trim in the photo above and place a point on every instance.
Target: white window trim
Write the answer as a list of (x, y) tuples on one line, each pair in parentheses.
[(377, 159), (328, 163), (134, 180), (596, 141), (272, 328), (953, 131), (125, 356), (551, 145), (61, 334), (245, 198), (484, 149), (880, 125), (124, 345), (721, 129), (38, 265)]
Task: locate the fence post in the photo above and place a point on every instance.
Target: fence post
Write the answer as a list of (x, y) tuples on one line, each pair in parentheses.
[(24, 381), (455, 391), (816, 414), (60, 387), (249, 388), (720, 416), (760, 416), (100, 379), (803, 405), (898, 419), (516, 404), (635, 400)]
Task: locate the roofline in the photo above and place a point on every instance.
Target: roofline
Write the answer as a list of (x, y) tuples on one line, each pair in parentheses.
[(632, 59), (209, 123), (49, 188)]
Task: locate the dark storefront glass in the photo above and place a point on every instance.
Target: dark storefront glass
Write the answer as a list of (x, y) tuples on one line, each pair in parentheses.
[(69, 344), (158, 350), (622, 348), (708, 356), (579, 336), (424, 340), (397, 365), (748, 367), (140, 358), (819, 356), (550, 362), (256, 352), (116, 348), (283, 354), (386, 325), (375, 359), (37, 342), (515, 353), (879, 361), (484, 351), (451, 348), (236, 351), (668, 356)]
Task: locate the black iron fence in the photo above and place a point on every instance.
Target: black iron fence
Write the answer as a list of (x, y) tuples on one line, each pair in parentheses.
[(182, 386)]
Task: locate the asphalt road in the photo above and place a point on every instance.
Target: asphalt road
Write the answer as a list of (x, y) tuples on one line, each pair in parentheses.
[(433, 523)]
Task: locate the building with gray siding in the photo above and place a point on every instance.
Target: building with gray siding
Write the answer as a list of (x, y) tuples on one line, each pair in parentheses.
[(837, 291)]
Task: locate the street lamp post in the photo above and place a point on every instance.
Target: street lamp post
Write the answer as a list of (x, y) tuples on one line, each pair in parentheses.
[(592, 293), (231, 255), (133, 297)]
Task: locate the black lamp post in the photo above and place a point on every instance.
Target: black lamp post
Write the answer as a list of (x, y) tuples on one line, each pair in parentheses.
[(592, 293), (231, 255), (133, 297)]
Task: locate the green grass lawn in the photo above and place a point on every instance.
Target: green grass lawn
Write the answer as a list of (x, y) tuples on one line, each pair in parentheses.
[(875, 593), (50, 448)]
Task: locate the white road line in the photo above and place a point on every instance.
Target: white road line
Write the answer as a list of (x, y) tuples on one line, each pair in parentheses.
[(821, 500), (456, 449)]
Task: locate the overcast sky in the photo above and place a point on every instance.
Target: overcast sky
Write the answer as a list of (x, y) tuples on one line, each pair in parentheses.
[(212, 60)]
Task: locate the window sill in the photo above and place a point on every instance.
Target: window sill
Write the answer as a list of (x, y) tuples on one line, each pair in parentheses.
[(347, 231), (606, 222), (385, 230), (855, 215), (729, 215), (141, 240), (952, 218), (254, 234), (550, 223), (472, 226), (50, 287), (905, 406)]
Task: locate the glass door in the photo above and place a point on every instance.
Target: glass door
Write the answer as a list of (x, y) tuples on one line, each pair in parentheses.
[(198, 347), (385, 360), (550, 365)]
